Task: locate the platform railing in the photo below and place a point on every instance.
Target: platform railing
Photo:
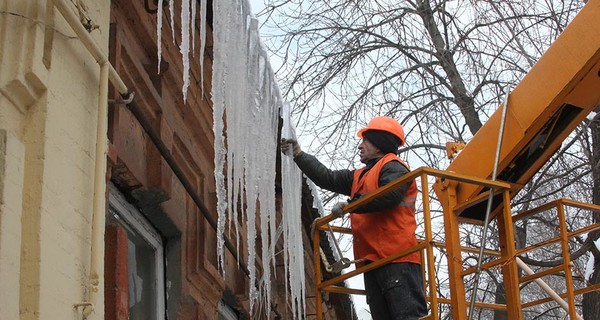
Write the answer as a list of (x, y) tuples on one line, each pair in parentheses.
[(506, 258), (558, 209)]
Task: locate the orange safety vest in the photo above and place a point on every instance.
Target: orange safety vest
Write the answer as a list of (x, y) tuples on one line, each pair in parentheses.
[(378, 235)]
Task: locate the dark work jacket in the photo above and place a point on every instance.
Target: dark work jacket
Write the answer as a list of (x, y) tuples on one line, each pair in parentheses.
[(340, 181)]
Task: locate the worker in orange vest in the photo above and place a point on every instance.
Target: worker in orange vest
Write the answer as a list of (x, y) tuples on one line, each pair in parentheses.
[(382, 227)]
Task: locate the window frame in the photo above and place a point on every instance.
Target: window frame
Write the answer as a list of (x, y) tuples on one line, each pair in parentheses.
[(134, 221)]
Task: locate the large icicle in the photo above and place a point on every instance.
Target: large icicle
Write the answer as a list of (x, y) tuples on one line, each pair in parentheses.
[(246, 95), (193, 25), (202, 41), (184, 47), (159, 17), (172, 16), (219, 97), (291, 182)]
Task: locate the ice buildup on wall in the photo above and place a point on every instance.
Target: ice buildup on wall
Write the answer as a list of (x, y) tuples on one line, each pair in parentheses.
[(159, 32), (246, 106), (291, 182), (184, 47), (246, 103)]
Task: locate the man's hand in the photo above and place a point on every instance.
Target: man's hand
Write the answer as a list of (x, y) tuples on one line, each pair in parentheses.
[(290, 144), (338, 209)]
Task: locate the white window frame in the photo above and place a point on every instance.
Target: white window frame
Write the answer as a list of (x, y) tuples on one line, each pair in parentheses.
[(133, 219)]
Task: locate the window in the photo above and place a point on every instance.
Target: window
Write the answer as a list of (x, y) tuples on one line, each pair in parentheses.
[(145, 263)]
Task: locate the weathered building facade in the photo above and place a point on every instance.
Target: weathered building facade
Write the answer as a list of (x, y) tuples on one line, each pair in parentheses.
[(128, 230)]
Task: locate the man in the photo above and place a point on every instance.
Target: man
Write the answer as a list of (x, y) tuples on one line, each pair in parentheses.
[(382, 227)]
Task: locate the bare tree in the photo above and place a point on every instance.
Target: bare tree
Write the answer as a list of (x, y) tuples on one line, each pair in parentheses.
[(440, 67)]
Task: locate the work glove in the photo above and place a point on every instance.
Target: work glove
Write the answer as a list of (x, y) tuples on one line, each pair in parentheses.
[(290, 144), (338, 209)]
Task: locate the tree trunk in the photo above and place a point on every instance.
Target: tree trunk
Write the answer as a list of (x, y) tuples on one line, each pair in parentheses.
[(462, 98), (591, 301), (500, 299)]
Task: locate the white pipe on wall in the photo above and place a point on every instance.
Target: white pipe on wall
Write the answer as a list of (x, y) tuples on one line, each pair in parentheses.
[(88, 42), (107, 72), (99, 203)]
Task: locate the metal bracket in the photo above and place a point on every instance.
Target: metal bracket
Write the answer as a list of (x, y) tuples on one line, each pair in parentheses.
[(127, 98), (340, 265)]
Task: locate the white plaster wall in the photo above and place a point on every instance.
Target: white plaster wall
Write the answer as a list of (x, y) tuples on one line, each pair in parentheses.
[(48, 103)]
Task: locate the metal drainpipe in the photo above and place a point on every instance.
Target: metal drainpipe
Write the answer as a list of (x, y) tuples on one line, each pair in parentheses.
[(99, 203), (98, 211), (108, 72), (166, 154)]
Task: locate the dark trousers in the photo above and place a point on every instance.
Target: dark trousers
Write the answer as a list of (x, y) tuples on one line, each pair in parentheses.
[(395, 292)]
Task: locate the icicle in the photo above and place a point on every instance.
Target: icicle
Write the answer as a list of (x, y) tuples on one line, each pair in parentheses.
[(172, 13), (246, 96), (184, 48), (159, 19), (251, 239), (193, 26), (202, 42), (236, 124), (292, 193), (219, 97)]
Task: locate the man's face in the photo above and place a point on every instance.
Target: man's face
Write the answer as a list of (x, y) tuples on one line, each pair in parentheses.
[(368, 151)]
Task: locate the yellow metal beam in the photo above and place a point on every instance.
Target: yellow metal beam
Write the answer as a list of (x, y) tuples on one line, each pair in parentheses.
[(510, 271), (595, 287)]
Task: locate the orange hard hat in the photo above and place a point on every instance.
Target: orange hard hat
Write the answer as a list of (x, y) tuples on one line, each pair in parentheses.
[(386, 124)]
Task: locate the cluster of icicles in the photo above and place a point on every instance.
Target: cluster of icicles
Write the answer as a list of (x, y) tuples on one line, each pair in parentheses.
[(247, 105)]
